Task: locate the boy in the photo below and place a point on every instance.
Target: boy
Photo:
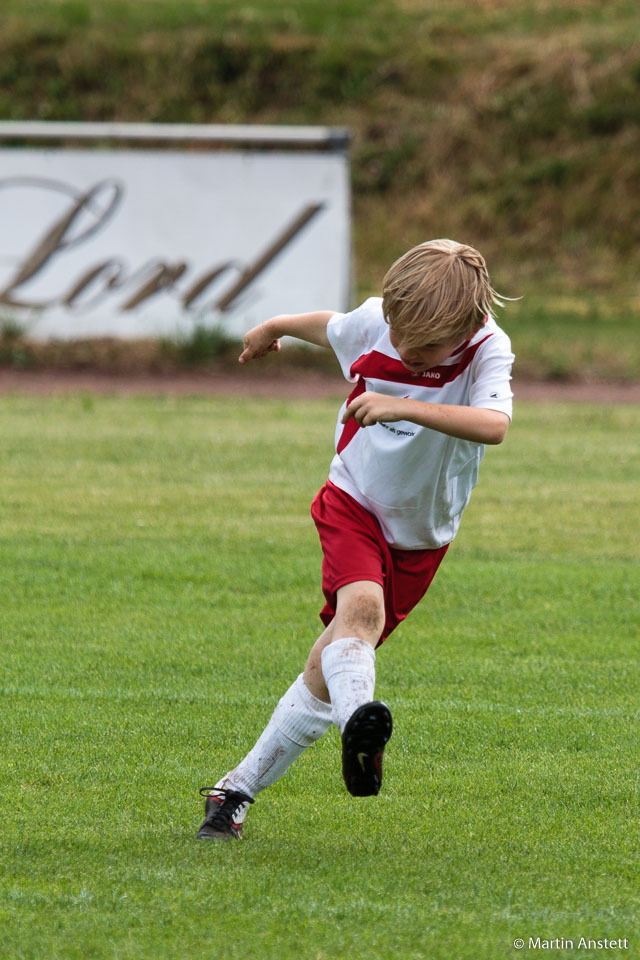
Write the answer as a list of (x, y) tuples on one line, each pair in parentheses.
[(431, 370)]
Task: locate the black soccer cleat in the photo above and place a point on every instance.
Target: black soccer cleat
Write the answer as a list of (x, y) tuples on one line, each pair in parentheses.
[(225, 811), (364, 738)]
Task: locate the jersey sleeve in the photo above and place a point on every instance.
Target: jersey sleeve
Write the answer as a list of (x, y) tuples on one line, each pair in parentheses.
[(352, 334), (491, 387)]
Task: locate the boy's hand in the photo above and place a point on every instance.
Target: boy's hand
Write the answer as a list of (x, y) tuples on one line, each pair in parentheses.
[(370, 408), (258, 342), (467, 423)]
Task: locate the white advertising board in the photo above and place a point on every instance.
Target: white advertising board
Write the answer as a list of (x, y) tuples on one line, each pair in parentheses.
[(139, 242)]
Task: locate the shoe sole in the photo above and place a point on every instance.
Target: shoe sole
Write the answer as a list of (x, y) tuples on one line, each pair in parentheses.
[(218, 837), (364, 738)]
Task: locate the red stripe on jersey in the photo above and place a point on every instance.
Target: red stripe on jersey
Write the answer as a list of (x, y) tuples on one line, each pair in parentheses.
[(460, 348), (352, 426), (378, 366), (465, 343)]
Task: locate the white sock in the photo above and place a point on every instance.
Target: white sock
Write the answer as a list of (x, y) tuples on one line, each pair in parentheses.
[(348, 667), (298, 721)]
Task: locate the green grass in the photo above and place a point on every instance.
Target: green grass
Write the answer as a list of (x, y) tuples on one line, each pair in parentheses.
[(159, 583), (574, 338)]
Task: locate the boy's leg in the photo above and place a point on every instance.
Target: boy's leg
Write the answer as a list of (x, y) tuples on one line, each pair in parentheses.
[(298, 720), (341, 667)]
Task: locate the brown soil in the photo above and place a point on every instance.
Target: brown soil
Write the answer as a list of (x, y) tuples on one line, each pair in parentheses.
[(244, 382)]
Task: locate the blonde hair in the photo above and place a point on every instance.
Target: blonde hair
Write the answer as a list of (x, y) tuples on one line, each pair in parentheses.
[(436, 292)]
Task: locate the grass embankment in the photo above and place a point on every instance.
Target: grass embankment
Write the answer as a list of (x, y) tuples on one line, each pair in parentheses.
[(512, 125), (160, 585)]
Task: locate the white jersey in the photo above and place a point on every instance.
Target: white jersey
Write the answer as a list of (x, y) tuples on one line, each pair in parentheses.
[(415, 480)]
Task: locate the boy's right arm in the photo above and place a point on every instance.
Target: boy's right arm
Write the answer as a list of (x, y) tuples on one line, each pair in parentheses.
[(311, 327)]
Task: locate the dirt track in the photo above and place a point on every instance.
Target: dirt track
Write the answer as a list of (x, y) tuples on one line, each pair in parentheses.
[(287, 384)]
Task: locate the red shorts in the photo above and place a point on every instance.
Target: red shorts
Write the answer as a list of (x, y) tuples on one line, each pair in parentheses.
[(354, 548)]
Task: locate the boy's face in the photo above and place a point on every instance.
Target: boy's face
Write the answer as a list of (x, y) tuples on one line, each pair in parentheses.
[(418, 359)]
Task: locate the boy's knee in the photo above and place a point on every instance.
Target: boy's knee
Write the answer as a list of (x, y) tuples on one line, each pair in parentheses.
[(361, 614)]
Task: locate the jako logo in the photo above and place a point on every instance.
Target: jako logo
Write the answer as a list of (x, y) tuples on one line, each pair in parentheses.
[(430, 374)]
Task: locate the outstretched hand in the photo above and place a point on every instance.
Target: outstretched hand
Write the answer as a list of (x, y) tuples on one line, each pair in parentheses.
[(370, 408), (257, 344)]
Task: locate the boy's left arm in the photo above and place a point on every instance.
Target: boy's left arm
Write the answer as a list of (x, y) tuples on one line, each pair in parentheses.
[(477, 424)]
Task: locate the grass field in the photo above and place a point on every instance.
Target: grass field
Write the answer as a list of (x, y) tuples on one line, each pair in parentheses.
[(159, 589)]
